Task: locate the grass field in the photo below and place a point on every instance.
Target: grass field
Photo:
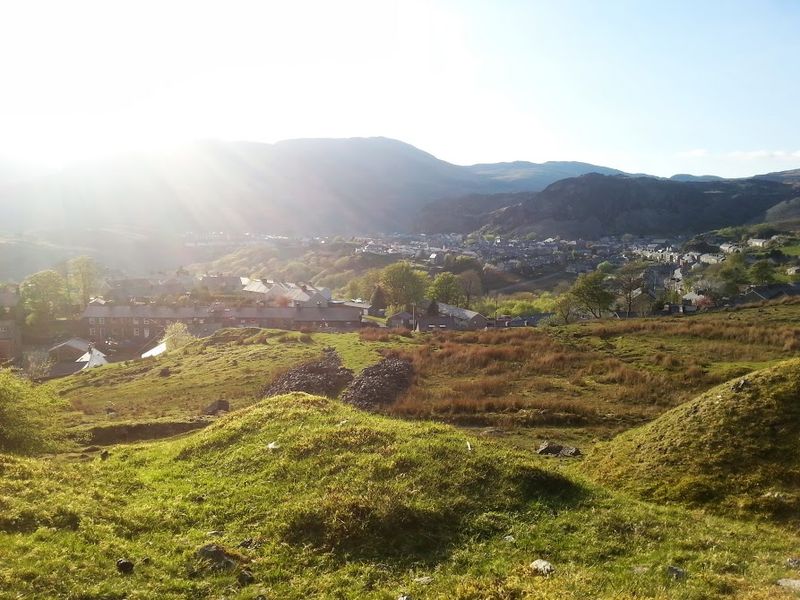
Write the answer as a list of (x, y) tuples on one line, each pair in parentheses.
[(352, 505)]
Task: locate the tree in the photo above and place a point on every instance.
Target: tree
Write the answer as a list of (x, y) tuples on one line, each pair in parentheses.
[(378, 300), (83, 276), (591, 294), (446, 288), (176, 335), (44, 296), (762, 273), (471, 286), (629, 279), (404, 285), (566, 308)]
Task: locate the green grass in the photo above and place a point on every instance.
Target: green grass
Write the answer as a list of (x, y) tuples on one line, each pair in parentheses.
[(352, 505), (734, 449), (233, 364)]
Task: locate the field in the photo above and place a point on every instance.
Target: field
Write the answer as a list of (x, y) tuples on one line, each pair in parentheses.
[(305, 497)]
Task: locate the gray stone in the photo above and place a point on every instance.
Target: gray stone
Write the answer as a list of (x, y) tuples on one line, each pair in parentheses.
[(218, 558), (245, 577), (542, 567), (676, 573), (792, 584), (793, 563), (550, 449), (217, 407)]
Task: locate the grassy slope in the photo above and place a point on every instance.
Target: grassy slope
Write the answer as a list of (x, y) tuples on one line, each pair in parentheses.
[(232, 364), (733, 449), (353, 505), (579, 383)]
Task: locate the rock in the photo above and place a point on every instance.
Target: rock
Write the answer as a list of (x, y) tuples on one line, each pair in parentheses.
[(793, 563), (740, 385), (510, 539), (550, 449), (125, 566), (542, 567), (219, 558), (570, 451), (404, 597), (424, 580), (676, 573), (248, 543), (245, 577), (165, 372), (217, 406), (792, 584), (380, 384), (104, 455), (640, 569), (324, 377)]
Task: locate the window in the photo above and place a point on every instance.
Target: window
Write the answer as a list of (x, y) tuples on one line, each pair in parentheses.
[(91, 320), (146, 321), (92, 331), (101, 320), (135, 332), (135, 320)]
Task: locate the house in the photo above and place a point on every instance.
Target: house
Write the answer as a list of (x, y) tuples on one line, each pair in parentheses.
[(401, 319), (761, 293), (793, 271), (88, 360), (70, 350), (462, 317), (134, 324), (730, 248), (757, 243), (10, 341)]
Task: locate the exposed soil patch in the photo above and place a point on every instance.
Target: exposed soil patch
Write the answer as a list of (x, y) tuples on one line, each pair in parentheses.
[(380, 384), (324, 377)]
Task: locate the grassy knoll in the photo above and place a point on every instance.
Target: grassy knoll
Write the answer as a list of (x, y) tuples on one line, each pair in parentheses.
[(734, 449), (336, 503), (232, 364)]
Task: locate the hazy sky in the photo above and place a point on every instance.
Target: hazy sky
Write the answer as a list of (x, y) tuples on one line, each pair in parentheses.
[(646, 86)]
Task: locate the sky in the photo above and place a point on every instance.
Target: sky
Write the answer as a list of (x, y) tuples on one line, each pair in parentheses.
[(696, 86)]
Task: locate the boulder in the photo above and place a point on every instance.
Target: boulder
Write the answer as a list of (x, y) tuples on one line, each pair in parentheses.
[(676, 573), (542, 567), (792, 584), (553, 449)]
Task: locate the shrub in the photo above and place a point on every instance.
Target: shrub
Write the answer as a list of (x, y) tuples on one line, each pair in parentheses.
[(26, 416)]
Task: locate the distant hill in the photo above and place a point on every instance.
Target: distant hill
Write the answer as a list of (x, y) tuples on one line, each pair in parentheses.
[(526, 176), (594, 205), (790, 177), (299, 187), (687, 177)]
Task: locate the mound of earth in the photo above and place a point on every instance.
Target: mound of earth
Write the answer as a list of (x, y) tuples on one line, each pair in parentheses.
[(380, 384), (733, 449), (324, 377)]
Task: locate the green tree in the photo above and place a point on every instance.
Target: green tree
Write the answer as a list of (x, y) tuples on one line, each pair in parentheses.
[(566, 308), (44, 296), (591, 294), (762, 273), (404, 285), (446, 288), (378, 300), (83, 277)]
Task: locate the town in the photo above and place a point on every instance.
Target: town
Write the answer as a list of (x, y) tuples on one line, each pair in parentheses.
[(56, 323)]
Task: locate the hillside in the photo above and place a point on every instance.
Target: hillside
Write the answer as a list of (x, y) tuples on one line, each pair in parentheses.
[(594, 205), (733, 449), (300, 187), (303, 497)]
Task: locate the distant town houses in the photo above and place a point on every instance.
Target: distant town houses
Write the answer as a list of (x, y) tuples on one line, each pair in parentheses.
[(10, 341)]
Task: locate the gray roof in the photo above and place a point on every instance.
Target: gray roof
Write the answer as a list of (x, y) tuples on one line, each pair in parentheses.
[(150, 311), (456, 312)]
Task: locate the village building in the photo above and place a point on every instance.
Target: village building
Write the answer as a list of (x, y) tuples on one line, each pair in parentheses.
[(10, 341)]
